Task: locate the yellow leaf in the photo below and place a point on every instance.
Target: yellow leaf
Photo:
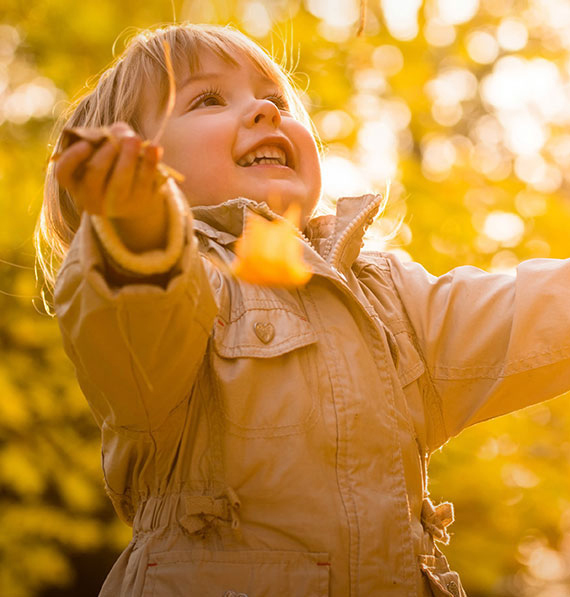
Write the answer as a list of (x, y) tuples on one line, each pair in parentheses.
[(269, 252)]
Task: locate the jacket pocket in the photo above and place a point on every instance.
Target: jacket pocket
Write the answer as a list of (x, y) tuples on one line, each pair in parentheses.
[(243, 573), (265, 370), (409, 365), (442, 581)]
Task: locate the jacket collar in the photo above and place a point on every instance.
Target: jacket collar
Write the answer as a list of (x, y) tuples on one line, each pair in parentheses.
[(337, 238)]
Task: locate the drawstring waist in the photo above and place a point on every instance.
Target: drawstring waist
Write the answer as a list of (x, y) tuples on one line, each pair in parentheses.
[(203, 512), (196, 514)]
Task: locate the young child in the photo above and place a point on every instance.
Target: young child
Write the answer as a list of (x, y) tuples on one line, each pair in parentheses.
[(262, 440)]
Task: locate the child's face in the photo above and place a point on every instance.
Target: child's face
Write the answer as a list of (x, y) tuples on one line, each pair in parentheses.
[(225, 119)]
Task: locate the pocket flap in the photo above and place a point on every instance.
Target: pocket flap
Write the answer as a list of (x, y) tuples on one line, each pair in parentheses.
[(248, 573), (410, 365), (262, 333)]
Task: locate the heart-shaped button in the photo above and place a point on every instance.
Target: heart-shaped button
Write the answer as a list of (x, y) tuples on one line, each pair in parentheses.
[(264, 331)]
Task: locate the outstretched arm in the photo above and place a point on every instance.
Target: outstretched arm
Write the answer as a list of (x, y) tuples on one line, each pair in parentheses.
[(493, 343), (137, 347)]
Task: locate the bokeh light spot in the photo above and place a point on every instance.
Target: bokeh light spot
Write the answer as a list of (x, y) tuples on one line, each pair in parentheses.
[(482, 47), (504, 227), (455, 12), (336, 13), (438, 33), (342, 178), (402, 18), (256, 20), (334, 124), (388, 59), (438, 157), (512, 34), (530, 204)]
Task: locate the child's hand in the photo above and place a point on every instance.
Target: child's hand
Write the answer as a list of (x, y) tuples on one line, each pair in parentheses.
[(114, 178), (117, 179)]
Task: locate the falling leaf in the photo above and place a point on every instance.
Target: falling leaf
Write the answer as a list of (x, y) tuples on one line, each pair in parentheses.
[(269, 252)]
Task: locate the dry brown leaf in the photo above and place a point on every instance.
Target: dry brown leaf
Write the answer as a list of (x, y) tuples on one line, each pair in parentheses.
[(97, 137)]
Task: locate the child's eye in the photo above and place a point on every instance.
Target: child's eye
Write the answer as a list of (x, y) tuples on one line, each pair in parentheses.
[(210, 97), (279, 100)]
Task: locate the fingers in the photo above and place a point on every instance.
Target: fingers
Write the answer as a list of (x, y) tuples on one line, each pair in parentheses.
[(70, 164), (131, 191), (92, 185), (144, 183), (116, 178), (118, 191)]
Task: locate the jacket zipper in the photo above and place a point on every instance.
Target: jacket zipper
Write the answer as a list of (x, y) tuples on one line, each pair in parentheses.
[(336, 251), (366, 214)]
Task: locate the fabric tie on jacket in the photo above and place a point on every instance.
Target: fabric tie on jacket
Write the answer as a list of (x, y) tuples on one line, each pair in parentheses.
[(204, 512), (436, 519)]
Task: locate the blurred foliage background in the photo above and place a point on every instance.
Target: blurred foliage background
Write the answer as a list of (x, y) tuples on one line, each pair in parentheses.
[(464, 105)]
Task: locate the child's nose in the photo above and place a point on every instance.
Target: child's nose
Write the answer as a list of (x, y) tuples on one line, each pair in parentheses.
[(264, 112)]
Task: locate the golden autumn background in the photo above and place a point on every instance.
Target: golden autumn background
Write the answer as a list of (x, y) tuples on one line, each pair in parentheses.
[(464, 105)]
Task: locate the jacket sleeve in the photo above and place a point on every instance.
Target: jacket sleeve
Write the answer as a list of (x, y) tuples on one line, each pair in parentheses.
[(136, 346), (492, 343)]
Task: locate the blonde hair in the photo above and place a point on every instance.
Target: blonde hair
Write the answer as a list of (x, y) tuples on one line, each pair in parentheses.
[(116, 97)]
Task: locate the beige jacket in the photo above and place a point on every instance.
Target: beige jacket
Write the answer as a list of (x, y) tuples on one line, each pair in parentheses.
[(271, 442)]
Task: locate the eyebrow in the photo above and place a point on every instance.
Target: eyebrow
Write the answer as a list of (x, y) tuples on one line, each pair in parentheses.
[(200, 76), (197, 78)]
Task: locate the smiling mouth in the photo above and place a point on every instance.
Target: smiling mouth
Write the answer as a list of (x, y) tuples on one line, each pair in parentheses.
[(264, 155)]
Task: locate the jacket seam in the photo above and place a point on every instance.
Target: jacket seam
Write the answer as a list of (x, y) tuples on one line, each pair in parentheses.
[(269, 350), (514, 367), (392, 388), (346, 495), (431, 390), (267, 307)]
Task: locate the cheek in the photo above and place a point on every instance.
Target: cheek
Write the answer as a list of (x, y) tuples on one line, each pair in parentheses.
[(304, 140), (198, 144), (311, 163)]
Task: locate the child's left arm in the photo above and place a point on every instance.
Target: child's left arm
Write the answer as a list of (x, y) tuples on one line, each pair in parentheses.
[(493, 343)]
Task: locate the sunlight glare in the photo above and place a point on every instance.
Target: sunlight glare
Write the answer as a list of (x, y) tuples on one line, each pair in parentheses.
[(336, 13), (342, 178), (438, 33), (452, 86), (454, 12), (438, 157), (504, 227), (30, 100), (334, 124), (524, 133), (482, 47), (512, 34), (388, 59), (256, 20), (402, 18)]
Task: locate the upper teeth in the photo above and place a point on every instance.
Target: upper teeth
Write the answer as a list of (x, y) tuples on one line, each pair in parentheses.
[(269, 152)]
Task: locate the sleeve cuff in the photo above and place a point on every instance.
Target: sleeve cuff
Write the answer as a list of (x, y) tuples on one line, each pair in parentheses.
[(150, 262)]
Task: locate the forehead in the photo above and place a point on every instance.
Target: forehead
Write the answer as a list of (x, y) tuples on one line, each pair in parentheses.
[(211, 65)]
